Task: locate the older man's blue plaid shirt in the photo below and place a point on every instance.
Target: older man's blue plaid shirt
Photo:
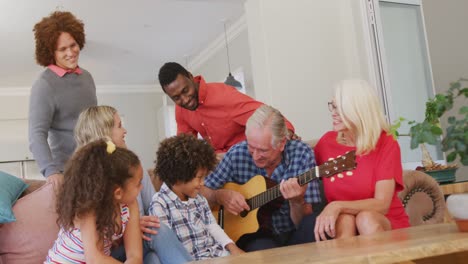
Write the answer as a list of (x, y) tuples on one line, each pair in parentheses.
[(238, 166)]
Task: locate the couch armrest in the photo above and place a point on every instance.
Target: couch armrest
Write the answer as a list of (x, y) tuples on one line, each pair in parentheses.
[(422, 198), (33, 185)]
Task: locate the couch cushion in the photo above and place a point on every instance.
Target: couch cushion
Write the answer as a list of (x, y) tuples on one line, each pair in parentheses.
[(11, 188), (29, 238)]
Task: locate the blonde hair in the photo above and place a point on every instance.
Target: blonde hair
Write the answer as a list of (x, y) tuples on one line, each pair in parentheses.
[(264, 116), (95, 122), (361, 112)]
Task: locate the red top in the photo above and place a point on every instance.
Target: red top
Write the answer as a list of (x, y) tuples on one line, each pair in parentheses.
[(221, 115), (383, 163)]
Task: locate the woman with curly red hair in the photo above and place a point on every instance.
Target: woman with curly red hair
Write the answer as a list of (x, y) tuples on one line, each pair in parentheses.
[(60, 93)]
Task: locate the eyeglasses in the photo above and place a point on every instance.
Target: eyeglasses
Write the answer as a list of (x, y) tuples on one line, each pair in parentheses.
[(331, 106)]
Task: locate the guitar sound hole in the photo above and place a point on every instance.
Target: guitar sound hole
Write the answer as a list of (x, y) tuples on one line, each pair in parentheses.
[(243, 213)]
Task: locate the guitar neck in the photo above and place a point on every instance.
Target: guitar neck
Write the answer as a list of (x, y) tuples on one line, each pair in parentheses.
[(327, 169), (272, 193)]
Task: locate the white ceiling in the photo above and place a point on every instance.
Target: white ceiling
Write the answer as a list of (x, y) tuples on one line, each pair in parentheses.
[(126, 41)]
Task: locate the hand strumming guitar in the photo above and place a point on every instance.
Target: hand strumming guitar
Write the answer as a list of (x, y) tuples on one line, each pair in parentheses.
[(233, 201)]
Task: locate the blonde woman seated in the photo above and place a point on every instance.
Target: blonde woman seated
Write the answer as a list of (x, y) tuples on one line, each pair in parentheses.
[(160, 243), (364, 200)]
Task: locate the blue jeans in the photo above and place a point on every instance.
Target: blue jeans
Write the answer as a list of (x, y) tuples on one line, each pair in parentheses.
[(164, 248), (259, 241)]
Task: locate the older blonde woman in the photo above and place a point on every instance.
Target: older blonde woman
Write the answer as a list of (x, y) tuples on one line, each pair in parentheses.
[(364, 200), (160, 243)]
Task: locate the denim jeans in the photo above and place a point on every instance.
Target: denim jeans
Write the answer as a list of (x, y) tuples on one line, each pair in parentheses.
[(164, 248)]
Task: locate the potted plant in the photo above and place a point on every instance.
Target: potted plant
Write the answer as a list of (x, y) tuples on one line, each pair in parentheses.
[(454, 140)]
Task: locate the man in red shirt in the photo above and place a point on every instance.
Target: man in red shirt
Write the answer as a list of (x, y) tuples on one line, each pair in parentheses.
[(216, 111)]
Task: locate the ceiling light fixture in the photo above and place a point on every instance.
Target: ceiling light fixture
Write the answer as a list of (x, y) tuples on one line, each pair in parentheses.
[(230, 80)]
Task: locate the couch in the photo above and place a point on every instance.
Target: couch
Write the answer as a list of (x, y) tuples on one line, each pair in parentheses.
[(29, 238)]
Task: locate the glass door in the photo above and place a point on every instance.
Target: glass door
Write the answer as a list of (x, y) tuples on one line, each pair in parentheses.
[(404, 67)]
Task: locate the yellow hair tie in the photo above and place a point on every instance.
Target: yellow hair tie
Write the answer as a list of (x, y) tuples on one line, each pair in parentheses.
[(110, 147)]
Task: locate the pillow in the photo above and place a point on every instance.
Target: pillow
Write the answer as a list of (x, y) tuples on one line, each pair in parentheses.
[(29, 238), (11, 188)]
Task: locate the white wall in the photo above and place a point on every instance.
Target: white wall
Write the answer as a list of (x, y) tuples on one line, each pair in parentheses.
[(212, 63), (215, 69), (299, 49), (140, 118), (138, 105)]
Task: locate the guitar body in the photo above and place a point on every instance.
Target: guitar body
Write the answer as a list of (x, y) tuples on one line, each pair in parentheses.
[(236, 226)]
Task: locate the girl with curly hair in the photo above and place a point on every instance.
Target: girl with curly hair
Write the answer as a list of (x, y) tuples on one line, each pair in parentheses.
[(160, 243), (60, 93), (97, 205)]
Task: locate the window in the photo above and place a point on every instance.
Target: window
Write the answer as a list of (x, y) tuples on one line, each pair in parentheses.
[(402, 66)]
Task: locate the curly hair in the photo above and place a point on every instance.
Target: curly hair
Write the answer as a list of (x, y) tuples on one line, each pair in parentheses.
[(169, 71), (180, 157), (48, 30), (90, 178)]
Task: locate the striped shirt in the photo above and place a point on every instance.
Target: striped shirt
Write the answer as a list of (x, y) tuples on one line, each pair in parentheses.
[(68, 248), (238, 166), (189, 220)]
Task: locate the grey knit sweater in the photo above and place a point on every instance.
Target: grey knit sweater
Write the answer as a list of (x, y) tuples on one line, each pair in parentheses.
[(54, 107)]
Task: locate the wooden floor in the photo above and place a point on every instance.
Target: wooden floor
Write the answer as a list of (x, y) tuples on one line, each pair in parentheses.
[(386, 247)]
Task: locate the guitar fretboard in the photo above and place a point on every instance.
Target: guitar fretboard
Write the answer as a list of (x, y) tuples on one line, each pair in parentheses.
[(329, 168), (274, 192)]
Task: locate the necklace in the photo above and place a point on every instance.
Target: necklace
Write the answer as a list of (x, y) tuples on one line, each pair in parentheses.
[(342, 139)]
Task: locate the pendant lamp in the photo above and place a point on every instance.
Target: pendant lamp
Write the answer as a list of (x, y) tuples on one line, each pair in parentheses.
[(230, 80)]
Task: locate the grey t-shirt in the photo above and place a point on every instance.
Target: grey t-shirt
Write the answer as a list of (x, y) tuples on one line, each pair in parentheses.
[(54, 107)]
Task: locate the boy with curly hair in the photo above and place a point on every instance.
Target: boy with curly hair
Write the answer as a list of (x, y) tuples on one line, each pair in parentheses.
[(182, 163)]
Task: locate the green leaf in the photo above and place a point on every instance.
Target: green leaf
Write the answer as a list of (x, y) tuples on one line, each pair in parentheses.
[(464, 159), (414, 141), (436, 130), (451, 120), (428, 137), (460, 146), (451, 157), (464, 110), (464, 91)]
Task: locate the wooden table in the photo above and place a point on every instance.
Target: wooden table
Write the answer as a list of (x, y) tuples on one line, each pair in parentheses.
[(386, 247), (455, 187)]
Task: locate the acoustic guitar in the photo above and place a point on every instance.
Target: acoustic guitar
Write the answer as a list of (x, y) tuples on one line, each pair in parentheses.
[(263, 194)]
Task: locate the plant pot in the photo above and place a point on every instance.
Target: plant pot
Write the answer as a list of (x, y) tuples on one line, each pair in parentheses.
[(462, 224), (457, 205), (446, 175)]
